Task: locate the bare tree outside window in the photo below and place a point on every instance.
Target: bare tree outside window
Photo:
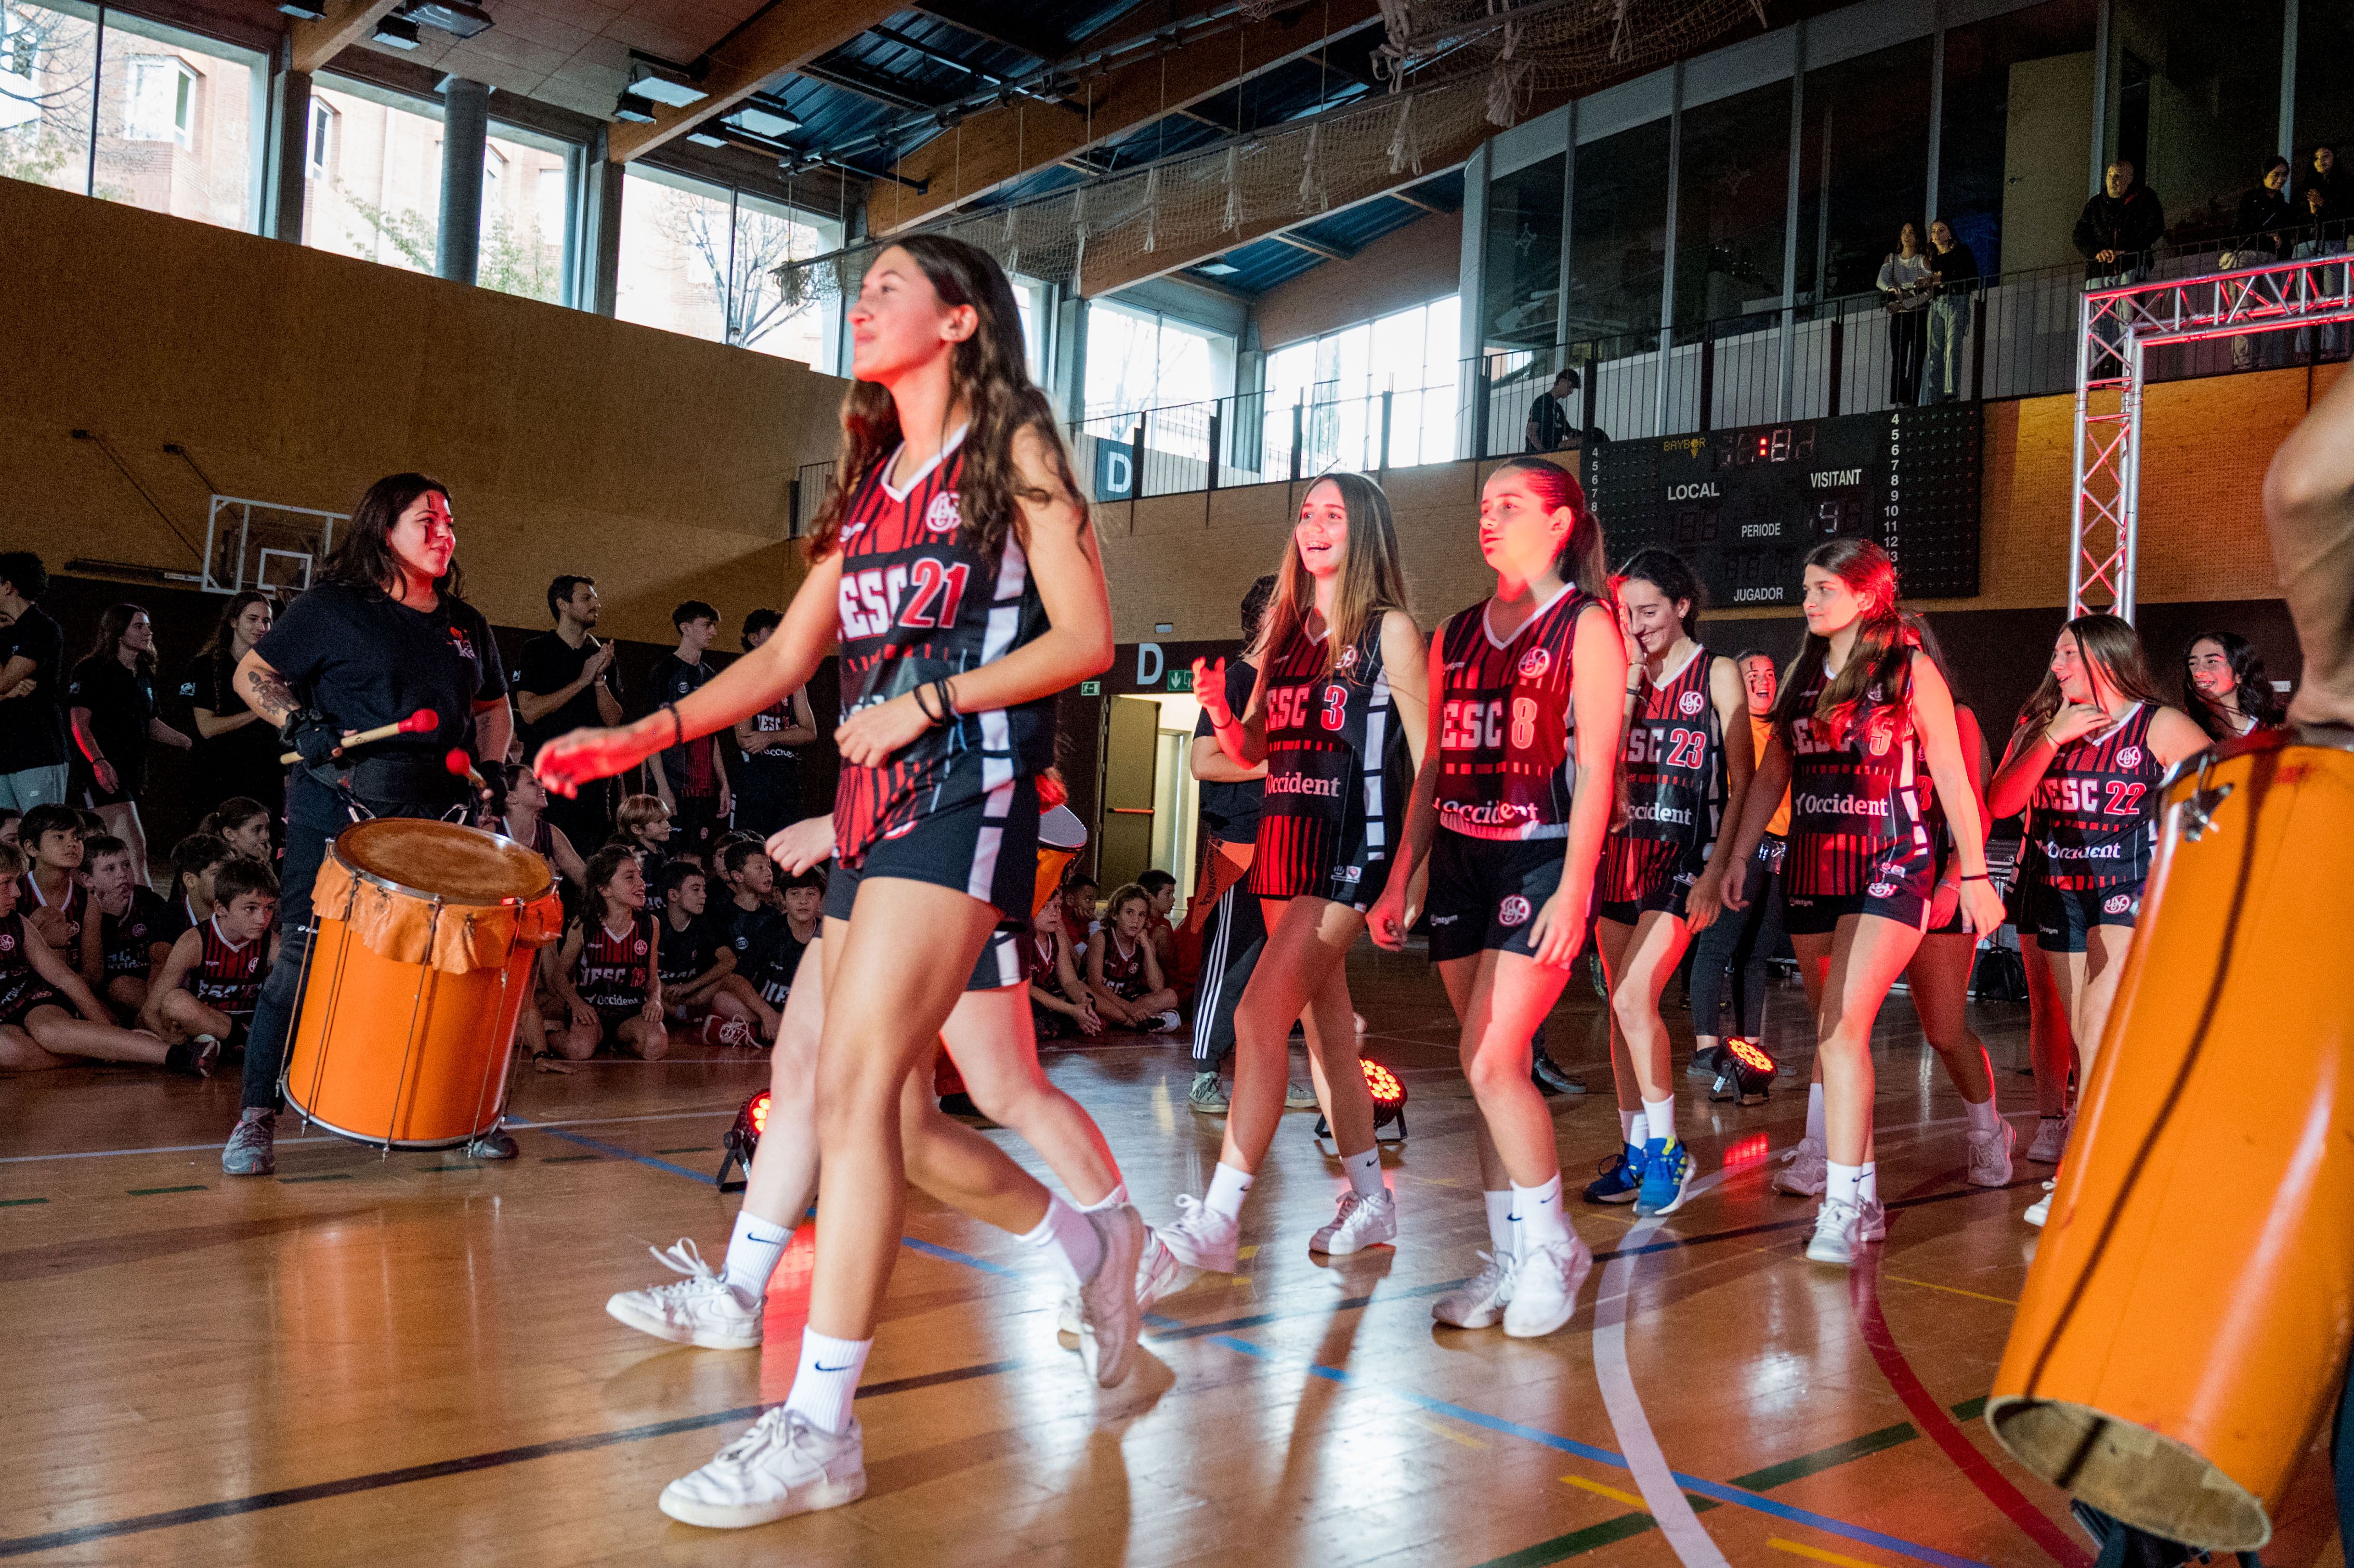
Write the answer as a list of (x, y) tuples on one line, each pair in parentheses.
[(47, 61), (742, 257)]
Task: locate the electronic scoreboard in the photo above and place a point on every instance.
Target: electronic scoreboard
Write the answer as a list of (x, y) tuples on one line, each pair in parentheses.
[(1745, 507)]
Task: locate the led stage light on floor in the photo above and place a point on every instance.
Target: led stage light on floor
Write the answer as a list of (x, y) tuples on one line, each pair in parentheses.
[(1744, 1070), (1389, 1109), (742, 1140)]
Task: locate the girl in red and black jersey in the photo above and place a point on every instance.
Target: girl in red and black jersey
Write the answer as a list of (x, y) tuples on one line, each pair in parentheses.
[(609, 971), (1338, 716), (1509, 812), (1862, 714), (48, 1016), (955, 564), (523, 817), (1687, 765), (2091, 745), (1124, 972)]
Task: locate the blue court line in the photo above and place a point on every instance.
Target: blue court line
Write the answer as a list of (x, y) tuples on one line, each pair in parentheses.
[(1717, 1489)]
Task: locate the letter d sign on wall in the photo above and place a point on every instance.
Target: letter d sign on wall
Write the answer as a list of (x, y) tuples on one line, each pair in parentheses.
[(1148, 665)]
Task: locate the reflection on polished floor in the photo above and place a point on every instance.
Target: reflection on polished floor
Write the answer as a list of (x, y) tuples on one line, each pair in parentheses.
[(407, 1359)]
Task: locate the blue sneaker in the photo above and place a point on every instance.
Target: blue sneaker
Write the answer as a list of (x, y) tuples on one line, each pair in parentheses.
[(1667, 1172), (1620, 1179)]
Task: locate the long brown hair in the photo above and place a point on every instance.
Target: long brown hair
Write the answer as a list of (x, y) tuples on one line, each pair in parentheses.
[(1580, 558), (1881, 659), (1373, 582), (113, 625), (988, 374), (2114, 649), (365, 558), (223, 633)]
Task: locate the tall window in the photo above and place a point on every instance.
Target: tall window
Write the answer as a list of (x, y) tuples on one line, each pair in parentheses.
[(1733, 200), (1861, 162), (712, 263), (1339, 380), (1141, 359), (49, 63), (1618, 236), (521, 248), (2013, 151), (319, 148), (379, 195), (1523, 275)]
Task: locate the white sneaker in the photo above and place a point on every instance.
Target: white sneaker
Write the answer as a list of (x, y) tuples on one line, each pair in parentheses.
[(2050, 1139), (701, 1309), (1066, 1312), (1157, 1272), (1109, 1316), (1162, 1022), (1990, 1156), (1802, 1171), (1545, 1288), (1842, 1228), (1359, 1223), (1479, 1302), (1201, 1237), (2041, 1210), (782, 1466)]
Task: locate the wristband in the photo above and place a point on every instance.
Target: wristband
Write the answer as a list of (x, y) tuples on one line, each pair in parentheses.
[(677, 727), (1981, 877)]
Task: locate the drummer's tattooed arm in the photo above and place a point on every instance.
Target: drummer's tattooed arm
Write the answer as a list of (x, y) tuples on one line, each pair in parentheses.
[(266, 693)]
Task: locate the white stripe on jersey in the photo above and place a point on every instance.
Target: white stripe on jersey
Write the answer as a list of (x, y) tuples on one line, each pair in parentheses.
[(994, 806), (1377, 715), (1004, 622)]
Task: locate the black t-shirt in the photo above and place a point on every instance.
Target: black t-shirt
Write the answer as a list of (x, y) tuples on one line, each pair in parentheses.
[(688, 768), (210, 683), (773, 766), (364, 661), (1230, 810), (129, 943), (548, 665), (33, 727), (1551, 423), (687, 954), (120, 702)]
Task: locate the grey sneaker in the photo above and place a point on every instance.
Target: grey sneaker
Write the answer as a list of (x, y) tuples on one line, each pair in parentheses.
[(1208, 1096), (493, 1145), (1299, 1096), (2050, 1139), (250, 1150)]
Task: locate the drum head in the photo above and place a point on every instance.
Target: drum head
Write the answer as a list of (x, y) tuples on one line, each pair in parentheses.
[(442, 860)]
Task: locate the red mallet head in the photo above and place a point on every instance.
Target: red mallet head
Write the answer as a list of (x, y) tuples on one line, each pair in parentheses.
[(459, 763), (423, 721)]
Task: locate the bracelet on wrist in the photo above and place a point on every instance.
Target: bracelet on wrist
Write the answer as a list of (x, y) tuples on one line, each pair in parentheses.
[(677, 725), (1981, 877)]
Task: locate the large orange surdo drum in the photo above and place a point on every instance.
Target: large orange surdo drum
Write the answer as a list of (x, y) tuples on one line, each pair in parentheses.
[(2184, 1328), (422, 965)]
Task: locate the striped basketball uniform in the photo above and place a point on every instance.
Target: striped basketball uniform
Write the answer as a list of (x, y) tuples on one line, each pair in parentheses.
[(228, 975), (1859, 828), (1942, 850), (1507, 769), (1123, 972), (615, 971), (958, 806), (1674, 758), (2092, 829), (1337, 776), (21, 987), (127, 943), (76, 907)]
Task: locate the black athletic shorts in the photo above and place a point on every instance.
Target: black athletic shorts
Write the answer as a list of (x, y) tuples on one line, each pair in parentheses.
[(1485, 893), (986, 848), (2065, 916), (1900, 889), (20, 996)]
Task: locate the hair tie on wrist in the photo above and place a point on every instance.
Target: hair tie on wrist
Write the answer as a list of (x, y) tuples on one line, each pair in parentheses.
[(677, 726), (948, 699), (1981, 877)]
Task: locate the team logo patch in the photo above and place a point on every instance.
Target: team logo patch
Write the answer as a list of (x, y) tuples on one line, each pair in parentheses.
[(639, 946), (1513, 911), (2129, 757), (943, 514), (1535, 663), (7, 943), (2118, 903), (1691, 702), (1348, 872), (1881, 889), (1349, 657), (464, 644)]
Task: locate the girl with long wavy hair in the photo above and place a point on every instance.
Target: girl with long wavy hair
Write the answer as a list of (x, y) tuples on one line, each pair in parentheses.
[(1862, 714), (236, 750), (2224, 688), (2091, 745), (1509, 812), (111, 704), (955, 563), (1339, 716)]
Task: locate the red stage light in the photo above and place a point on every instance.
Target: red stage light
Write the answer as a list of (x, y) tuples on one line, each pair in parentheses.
[(1752, 1055), (758, 1111), (1388, 1093), (742, 1140)]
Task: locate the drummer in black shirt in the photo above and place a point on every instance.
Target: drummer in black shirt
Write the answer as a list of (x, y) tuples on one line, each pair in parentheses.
[(111, 704), (383, 634)]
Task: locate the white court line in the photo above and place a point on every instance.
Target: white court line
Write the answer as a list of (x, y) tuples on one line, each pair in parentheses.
[(727, 1109), (1653, 1476)]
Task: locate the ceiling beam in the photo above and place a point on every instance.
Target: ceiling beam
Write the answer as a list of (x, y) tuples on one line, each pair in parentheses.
[(1001, 144), (1313, 246), (891, 95), (996, 33), (786, 37), (345, 23)]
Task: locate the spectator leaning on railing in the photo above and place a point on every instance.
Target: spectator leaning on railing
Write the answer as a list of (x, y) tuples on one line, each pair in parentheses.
[(2260, 236), (1904, 288), (2120, 224), (2337, 193), (1954, 270)]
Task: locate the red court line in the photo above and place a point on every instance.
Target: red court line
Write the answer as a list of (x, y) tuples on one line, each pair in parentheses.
[(1930, 1417)]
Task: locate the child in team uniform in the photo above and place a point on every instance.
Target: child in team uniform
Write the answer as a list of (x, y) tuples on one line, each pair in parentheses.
[(135, 930), (642, 823), (523, 817), (608, 971), (698, 965), (195, 860), (209, 985), (50, 1017), (1059, 1001), (1860, 711), (50, 894), (1510, 809), (1124, 974), (2091, 745), (1687, 764)]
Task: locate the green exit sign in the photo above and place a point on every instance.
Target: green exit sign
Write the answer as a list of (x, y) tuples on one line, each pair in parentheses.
[(1180, 680), (1090, 688)]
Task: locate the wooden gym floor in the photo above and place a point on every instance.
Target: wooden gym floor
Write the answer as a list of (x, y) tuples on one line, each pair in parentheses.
[(407, 1359)]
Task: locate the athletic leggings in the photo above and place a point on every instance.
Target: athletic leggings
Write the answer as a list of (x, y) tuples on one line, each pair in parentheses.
[(1231, 941), (1739, 944)]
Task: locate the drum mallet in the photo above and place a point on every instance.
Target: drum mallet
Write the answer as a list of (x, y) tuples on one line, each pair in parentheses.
[(418, 722)]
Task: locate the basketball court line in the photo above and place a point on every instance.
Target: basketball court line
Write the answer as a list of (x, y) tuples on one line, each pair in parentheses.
[(729, 1109)]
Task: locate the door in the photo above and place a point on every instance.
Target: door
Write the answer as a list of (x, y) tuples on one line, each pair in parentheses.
[(1131, 758)]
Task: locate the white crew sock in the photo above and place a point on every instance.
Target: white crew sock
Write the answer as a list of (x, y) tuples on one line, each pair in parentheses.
[(753, 1252), (1536, 1217), (1815, 1112), (827, 1380), (1634, 1129), (1660, 1116), (1839, 1184), (1365, 1172), (1227, 1188), (1071, 1238), (1116, 1198), (1867, 1182), (1499, 1222), (1983, 1118)]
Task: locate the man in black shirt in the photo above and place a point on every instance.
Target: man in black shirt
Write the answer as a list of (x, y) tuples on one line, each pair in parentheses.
[(32, 668), (692, 780), (565, 681), (2120, 224), (1549, 426), (382, 635)]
